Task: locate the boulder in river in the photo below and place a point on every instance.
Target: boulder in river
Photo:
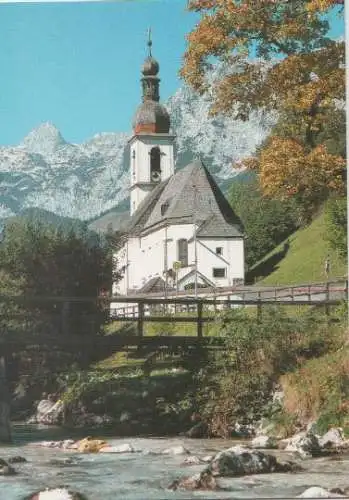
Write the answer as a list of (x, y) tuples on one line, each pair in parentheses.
[(56, 494), (264, 442), (202, 481), (306, 444), (333, 439), (90, 445), (318, 492), (240, 461), (6, 469)]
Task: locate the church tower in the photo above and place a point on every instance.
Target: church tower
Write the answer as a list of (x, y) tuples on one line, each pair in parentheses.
[(151, 146)]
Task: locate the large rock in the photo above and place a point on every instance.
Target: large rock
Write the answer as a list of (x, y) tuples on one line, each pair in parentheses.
[(48, 412), (56, 494), (264, 442), (6, 469), (240, 461), (318, 492), (89, 445), (306, 444), (334, 438), (202, 481)]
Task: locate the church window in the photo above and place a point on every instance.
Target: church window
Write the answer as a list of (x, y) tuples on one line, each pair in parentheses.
[(219, 272), (219, 250), (155, 164), (182, 251), (164, 208)]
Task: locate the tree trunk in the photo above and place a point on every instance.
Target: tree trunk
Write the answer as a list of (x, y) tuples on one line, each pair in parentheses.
[(5, 426)]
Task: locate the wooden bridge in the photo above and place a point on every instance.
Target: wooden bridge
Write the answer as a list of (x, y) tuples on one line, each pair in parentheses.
[(200, 310), (174, 309)]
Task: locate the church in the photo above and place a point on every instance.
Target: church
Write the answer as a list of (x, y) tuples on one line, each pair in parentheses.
[(182, 233)]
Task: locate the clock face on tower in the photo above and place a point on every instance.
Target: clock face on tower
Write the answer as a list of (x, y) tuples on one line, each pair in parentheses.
[(155, 176)]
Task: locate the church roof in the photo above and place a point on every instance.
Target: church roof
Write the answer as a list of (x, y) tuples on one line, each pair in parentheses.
[(151, 116), (190, 195)]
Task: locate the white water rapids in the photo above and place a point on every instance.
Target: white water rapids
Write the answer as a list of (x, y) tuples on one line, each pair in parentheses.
[(142, 475)]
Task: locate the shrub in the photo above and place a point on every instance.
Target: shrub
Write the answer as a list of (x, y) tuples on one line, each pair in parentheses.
[(336, 225), (237, 382), (319, 389)]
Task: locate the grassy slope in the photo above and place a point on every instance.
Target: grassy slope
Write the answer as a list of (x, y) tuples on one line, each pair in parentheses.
[(304, 260)]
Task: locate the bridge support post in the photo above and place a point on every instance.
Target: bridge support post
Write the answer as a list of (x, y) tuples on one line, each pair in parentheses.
[(5, 424), (200, 322), (140, 322)]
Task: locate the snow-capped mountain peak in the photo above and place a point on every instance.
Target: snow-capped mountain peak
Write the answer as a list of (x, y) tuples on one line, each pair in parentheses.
[(45, 139), (84, 180)]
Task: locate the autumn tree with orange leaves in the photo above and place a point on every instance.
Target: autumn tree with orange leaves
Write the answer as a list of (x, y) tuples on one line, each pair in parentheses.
[(281, 59)]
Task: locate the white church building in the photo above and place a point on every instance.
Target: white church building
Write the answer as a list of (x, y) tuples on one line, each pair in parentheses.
[(182, 233)]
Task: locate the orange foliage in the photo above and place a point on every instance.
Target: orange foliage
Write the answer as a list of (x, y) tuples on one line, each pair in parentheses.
[(305, 81), (286, 169), (321, 5)]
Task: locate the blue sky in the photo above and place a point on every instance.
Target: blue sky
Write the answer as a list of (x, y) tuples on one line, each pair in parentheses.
[(78, 64)]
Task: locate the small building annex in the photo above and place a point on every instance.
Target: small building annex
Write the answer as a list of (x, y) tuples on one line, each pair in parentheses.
[(182, 232)]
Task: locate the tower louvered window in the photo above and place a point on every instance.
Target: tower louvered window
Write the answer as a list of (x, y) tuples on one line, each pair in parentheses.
[(155, 164), (182, 251)]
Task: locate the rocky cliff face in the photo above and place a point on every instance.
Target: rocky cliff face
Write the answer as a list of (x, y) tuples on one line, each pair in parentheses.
[(83, 180)]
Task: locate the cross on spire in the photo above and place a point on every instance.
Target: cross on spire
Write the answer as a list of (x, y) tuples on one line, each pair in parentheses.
[(150, 42)]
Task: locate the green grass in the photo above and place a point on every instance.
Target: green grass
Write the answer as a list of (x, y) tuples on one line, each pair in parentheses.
[(304, 260), (166, 328)]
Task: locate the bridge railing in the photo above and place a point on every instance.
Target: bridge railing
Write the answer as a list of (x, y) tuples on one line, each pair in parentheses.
[(197, 310)]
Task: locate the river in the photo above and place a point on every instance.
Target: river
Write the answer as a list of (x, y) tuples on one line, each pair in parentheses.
[(140, 475)]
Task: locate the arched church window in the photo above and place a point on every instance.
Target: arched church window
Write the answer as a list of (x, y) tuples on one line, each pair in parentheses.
[(182, 252), (155, 164)]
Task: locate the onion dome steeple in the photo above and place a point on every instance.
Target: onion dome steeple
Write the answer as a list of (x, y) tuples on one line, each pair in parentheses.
[(150, 66), (151, 117)]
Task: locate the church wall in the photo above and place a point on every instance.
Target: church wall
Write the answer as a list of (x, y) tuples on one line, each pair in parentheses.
[(231, 259), (147, 257), (151, 253)]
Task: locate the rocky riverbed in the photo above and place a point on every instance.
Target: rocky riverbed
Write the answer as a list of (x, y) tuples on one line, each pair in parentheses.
[(138, 468)]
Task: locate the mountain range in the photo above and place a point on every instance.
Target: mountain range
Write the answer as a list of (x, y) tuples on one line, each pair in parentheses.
[(84, 180)]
